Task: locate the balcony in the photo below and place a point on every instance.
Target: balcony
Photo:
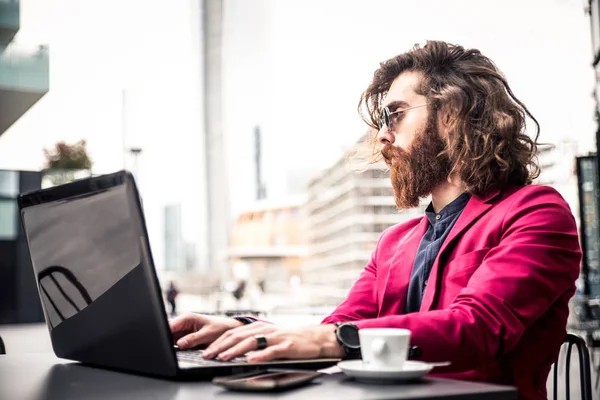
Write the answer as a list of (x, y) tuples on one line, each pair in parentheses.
[(24, 79), (267, 251), (9, 20)]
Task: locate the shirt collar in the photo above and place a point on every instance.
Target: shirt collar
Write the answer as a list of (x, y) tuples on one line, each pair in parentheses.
[(455, 207)]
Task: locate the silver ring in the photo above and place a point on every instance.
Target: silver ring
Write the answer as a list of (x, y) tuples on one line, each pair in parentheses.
[(261, 342)]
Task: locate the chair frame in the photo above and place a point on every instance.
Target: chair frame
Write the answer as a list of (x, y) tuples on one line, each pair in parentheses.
[(585, 378)]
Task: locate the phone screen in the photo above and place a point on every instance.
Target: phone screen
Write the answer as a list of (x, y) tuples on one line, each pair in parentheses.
[(268, 380), (278, 378)]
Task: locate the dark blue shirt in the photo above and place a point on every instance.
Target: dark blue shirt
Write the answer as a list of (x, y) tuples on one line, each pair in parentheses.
[(440, 225)]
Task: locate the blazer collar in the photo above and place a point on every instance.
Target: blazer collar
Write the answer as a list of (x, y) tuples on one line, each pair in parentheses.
[(475, 208), (489, 196), (393, 296)]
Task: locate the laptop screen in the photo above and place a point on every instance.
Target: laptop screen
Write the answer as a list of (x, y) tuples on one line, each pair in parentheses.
[(97, 284), (80, 247)]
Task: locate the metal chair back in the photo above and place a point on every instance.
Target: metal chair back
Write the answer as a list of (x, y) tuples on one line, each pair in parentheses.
[(585, 379)]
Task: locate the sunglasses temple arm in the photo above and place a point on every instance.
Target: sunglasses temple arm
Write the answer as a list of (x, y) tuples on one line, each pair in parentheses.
[(406, 109)]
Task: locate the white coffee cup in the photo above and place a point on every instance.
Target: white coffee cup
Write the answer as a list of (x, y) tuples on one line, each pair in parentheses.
[(384, 348)]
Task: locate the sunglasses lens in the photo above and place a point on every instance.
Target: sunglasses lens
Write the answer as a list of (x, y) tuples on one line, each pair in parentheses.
[(384, 120)]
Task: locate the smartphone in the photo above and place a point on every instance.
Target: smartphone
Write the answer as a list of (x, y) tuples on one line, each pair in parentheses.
[(269, 380)]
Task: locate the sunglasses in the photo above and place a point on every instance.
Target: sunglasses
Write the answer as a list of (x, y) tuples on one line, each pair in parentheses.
[(388, 118)]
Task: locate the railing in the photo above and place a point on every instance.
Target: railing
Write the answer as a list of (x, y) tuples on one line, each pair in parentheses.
[(24, 68)]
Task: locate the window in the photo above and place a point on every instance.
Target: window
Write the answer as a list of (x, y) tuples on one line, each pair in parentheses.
[(8, 219), (386, 191), (9, 184), (375, 174)]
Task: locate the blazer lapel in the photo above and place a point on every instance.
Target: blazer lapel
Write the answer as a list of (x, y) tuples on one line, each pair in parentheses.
[(393, 298), (475, 208)]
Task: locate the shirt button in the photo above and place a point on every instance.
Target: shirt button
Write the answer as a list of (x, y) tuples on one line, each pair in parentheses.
[(438, 216), (426, 282)]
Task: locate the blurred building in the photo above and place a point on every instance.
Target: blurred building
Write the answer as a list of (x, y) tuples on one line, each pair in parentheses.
[(590, 168), (175, 248), (268, 245), (213, 252), (198, 266), (593, 8), (24, 79), (24, 72), (557, 165), (19, 300), (191, 256), (347, 212)]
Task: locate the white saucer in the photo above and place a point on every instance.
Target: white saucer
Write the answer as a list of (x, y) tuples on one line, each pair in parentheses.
[(411, 370)]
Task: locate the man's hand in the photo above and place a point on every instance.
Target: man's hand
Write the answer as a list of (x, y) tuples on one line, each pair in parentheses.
[(191, 330), (311, 342)]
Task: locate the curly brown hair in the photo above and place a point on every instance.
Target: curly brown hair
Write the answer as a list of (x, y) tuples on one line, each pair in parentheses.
[(487, 145)]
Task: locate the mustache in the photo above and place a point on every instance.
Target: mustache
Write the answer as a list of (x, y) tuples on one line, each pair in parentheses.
[(390, 152)]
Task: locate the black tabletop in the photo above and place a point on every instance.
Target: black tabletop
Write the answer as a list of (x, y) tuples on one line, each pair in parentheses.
[(43, 376)]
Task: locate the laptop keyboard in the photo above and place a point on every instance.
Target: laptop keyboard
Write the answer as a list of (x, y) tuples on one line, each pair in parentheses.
[(195, 357)]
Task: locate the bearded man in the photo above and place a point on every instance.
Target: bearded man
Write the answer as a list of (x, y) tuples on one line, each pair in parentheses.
[(483, 279)]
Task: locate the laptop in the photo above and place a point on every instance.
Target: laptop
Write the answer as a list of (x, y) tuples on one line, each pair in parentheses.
[(98, 286)]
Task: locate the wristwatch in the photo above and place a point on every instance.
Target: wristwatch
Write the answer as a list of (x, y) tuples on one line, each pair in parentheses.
[(244, 320), (347, 336)]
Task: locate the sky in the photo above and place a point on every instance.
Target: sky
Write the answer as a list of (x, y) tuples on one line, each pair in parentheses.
[(125, 73)]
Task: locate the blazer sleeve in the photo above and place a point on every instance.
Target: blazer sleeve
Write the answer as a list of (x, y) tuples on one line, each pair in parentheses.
[(537, 261)]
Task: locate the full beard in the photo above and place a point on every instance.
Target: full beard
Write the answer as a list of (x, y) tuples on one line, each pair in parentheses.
[(415, 173)]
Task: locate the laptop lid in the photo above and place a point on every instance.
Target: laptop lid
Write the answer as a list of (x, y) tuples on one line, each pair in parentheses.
[(95, 275)]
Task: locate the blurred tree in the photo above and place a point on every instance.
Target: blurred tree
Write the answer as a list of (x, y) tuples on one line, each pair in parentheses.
[(65, 163), (68, 156)]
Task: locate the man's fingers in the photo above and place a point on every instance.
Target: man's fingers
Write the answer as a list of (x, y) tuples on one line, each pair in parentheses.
[(236, 335), (226, 335), (177, 324), (273, 352), (180, 327), (239, 349), (230, 339), (203, 336), (186, 322)]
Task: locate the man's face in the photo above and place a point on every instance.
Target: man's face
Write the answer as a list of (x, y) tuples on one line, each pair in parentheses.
[(411, 147)]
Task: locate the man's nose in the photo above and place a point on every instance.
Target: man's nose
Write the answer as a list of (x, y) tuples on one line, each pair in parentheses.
[(386, 136)]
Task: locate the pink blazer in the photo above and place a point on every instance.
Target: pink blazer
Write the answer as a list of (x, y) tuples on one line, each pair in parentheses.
[(496, 302)]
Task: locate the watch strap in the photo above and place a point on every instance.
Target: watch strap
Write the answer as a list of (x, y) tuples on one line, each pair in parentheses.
[(244, 320)]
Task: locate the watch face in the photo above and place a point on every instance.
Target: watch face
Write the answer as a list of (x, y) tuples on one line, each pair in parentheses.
[(348, 335)]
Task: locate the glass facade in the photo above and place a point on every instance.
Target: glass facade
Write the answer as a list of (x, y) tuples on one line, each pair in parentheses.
[(9, 20), (9, 184), (24, 71), (19, 299), (9, 189), (8, 219), (590, 233)]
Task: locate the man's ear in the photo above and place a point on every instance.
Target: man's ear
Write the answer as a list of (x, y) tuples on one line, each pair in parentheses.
[(444, 121), (444, 118)]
